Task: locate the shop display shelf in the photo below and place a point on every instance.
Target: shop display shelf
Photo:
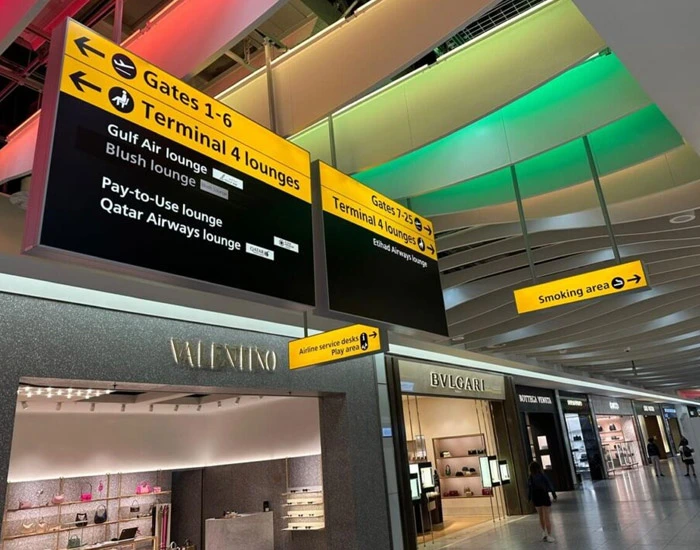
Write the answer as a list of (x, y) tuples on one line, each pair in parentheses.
[(86, 502), (300, 493), (302, 527), (311, 502), (61, 530), (466, 496), (460, 456), (303, 515), (477, 475)]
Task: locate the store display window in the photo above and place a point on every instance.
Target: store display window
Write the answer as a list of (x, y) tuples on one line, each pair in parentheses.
[(621, 449)]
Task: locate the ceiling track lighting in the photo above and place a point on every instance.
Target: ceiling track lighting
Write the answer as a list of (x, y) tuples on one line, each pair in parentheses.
[(177, 408), (67, 393), (123, 407), (58, 406), (25, 405), (199, 408), (150, 408), (238, 400), (92, 407), (218, 403)]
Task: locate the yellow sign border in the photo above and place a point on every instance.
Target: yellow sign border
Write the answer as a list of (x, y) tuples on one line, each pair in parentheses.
[(529, 299), (330, 340), (246, 133)]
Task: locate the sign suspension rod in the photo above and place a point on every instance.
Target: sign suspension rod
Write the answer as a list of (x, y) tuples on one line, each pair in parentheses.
[(523, 223), (601, 199)]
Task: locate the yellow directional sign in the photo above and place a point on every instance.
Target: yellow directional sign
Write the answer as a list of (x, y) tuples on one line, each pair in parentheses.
[(347, 198), (334, 345), (107, 76), (603, 282)]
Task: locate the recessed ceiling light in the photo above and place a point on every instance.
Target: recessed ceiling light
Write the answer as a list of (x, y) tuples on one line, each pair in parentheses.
[(683, 218)]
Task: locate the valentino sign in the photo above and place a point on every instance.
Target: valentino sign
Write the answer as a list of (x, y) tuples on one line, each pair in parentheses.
[(215, 356)]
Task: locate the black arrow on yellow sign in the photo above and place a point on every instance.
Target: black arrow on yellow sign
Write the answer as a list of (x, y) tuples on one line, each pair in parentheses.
[(79, 81), (82, 44), (373, 334), (430, 231), (432, 250), (635, 279)]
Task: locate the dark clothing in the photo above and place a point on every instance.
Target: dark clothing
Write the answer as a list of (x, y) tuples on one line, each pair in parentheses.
[(687, 454), (539, 488), (653, 449)]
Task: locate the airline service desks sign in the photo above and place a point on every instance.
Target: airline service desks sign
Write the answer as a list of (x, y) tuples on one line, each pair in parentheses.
[(137, 168), (377, 259), (602, 282), (335, 345)]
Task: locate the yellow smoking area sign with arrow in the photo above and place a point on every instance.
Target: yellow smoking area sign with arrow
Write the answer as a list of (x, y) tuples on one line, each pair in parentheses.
[(335, 345), (587, 286)]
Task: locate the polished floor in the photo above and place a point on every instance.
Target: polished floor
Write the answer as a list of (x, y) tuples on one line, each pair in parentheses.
[(635, 510)]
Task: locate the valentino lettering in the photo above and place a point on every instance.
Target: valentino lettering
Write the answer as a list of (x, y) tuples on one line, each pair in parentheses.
[(214, 356)]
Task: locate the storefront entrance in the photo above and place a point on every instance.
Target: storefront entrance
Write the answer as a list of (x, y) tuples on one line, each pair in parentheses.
[(651, 424), (618, 434), (582, 435), (225, 458), (450, 457), (543, 434)]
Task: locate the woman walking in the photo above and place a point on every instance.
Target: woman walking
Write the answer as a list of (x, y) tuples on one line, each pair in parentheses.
[(539, 488), (687, 457)]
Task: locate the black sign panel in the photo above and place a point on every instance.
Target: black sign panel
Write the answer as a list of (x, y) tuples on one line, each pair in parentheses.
[(198, 202), (379, 257), (535, 399)]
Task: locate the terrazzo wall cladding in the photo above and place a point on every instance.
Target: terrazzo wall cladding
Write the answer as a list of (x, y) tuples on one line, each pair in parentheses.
[(44, 339)]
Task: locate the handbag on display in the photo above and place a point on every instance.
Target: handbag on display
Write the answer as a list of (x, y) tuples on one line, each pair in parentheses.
[(578, 438), (600, 428), (445, 454), (24, 504), (74, 542), (448, 471), (58, 499), (101, 514), (135, 508), (459, 474), (487, 491), (42, 526), (28, 528), (144, 488), (157, 489), (85, 496), (81, 519)]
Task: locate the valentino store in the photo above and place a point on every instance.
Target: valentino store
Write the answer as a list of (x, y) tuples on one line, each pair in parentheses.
[(136, 432), (617, 428), (542, 434), (454, 449)]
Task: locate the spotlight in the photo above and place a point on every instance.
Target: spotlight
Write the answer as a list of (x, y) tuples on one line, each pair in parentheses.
[(123, 407), (177, 408), (58, 406), (92, 407), (59, 392), (261, 396), (218, 404), (25, 405), (199, 408), (38, 391), (238, 400), (150, 408)]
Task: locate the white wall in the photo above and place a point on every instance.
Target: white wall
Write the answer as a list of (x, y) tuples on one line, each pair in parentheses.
[(52, 444)]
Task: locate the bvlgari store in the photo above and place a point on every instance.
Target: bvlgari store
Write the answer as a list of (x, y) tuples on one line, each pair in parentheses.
[(456, 458)]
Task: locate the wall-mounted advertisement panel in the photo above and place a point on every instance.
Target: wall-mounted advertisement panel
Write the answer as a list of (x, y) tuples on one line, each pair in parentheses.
[(379, 258), (140, 173)]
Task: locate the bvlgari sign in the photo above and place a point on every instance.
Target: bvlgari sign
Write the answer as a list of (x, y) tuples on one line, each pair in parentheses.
[(217, 356), (429, 379), (456, 382)]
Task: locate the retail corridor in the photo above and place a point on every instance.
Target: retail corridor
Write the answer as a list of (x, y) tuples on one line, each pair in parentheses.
[(633, 510)]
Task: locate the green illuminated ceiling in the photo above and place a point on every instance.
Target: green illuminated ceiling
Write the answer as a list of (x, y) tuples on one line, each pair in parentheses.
[(540, 134)]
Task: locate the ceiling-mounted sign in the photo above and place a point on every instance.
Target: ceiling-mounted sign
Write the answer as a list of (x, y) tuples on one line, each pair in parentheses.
[(380, 257), (137, 171), (335, 345), (602, 282), (612, 406)]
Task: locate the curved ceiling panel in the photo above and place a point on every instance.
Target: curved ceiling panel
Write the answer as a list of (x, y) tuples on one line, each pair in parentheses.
[(332, 69), (669, 173), (583, 99), (403, 116)]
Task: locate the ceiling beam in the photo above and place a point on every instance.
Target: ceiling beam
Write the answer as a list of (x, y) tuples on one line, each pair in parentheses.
[(15, 16), (325, 11)]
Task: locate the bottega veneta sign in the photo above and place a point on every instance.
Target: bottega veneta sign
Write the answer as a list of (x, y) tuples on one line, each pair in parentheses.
[(217, 356)]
